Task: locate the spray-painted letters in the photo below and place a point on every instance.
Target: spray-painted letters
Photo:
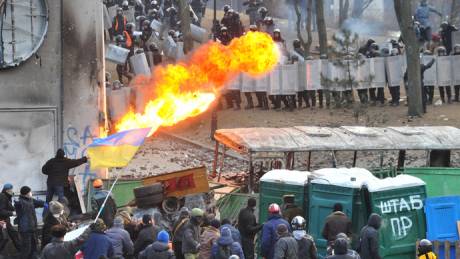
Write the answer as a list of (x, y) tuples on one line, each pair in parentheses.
[(401, 225)]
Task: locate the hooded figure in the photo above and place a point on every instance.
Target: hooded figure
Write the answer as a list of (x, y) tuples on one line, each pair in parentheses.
[(6, 211), (98, 244), (337, 222), (57, 169), (225, 246), (210, 235), (159, 249), (341, 250), (286, 246), (121, 241), (369, 238)]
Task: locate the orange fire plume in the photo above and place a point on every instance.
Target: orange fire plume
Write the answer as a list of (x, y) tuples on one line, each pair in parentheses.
[(186, 89)]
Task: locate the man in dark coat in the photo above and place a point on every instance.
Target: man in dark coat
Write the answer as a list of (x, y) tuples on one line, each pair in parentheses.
[(446, 35), (248, 227), (147, 235), (159, 249), (423, 68), (341, 250), (289, 208), (286, 246), (58, 248), (178, 231), (192, 232), (97, 201), (369, 238), (57, 169), (27, 222), (6, 211), (55, 217), (337, 222)]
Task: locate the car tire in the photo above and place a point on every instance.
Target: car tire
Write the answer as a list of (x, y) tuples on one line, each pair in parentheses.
[(149, 190), (149, 201)]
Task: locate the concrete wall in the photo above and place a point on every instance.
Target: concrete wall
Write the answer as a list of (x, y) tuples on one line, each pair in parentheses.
[(53, 99)]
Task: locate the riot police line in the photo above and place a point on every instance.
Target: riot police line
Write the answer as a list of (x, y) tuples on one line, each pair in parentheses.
[(323, 74)]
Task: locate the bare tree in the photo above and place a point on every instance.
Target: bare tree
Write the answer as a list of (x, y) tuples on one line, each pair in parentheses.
[(344, 5), (185, 21), (359, 6), (403, 11), (322, 31), (454, 11), (305, 44)]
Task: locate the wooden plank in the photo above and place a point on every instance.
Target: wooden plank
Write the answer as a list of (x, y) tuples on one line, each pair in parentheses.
[(457, 249), (436, 247), (447, 249), (200, 179)]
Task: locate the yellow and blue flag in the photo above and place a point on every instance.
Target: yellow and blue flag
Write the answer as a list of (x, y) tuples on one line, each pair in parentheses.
[(116, 150)]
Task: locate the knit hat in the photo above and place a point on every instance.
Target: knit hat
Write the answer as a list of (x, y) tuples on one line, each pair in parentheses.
[(118, 221), (197, 212), (215, 223), (7, 186), (25, 190), (281, 229), (56, 207), (225, 236), (163, 237)]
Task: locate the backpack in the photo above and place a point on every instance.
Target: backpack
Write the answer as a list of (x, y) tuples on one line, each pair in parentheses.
[(223, 252)]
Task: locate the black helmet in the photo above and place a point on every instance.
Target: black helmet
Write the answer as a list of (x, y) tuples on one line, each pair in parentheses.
[(146, 23), (226, 8), (171, 10), (153, 47), (374, 46), (296, 43), (298, 223), (119, 39), (172, 33), (119, 10), (425, 246), (262, 10), (268, 20), (130, 26)]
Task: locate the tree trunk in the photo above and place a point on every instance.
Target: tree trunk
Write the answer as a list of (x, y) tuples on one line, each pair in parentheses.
[(308, 22), (343, 11), (322, 32), (298, 24), (184, 11), (414, 90)]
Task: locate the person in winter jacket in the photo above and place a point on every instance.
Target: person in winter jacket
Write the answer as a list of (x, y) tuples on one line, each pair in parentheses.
[(119, 22), (341, 250), (57, 169), (55, 217), (305, 243), (369, 238), (98, 245), (248, 227), (147, 235), (337, 222), (121, 241), (191, 237), (235, 232), (286, 246), (210, 235), (27, 222), (110, 207), (159, 249), (6, 211), (269, 234), (226, 246), (289, 208), (178, 232), (129, 225), (60, 249), (350, 252), (425, 250)]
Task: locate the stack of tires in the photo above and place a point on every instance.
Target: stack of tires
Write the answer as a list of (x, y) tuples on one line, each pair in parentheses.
[(149, 196)]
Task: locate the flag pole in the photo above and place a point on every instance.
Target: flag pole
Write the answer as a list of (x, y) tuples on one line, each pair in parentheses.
[(106, 198)]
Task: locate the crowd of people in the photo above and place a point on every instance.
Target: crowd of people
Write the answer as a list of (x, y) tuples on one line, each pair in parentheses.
[(194, 234)]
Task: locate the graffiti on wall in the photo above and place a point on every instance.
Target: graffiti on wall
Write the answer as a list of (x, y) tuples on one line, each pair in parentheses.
[(75, 145), (401, 225)]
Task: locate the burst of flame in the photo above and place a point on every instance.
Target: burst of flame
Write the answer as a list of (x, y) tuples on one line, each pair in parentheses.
[(177, 92)]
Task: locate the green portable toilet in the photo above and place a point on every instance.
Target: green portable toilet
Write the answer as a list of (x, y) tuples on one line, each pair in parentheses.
[(276, 183), (336, 185), (440, 181), (400, 202)]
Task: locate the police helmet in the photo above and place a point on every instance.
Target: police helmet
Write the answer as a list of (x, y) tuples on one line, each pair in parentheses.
[(298, 223)]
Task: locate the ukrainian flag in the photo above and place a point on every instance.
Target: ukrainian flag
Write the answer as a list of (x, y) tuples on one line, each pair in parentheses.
[(116, 150)]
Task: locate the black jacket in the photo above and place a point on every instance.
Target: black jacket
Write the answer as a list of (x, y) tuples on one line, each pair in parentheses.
[(48, 223), (59, 249), (57, 169), (6, 207), (25, 210), (110, 207), (306, 248), (247, 224), (341, 251), (147, 236), (369, 238)]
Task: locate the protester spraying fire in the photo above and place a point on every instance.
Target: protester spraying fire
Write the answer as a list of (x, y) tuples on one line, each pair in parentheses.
[(177, 92)]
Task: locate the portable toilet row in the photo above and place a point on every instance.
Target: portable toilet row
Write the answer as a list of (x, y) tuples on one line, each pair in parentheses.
[(398, 200)]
